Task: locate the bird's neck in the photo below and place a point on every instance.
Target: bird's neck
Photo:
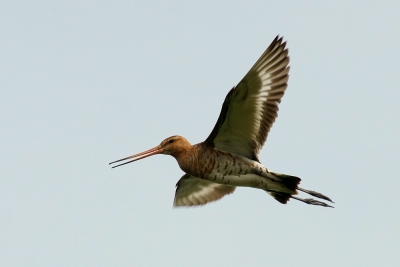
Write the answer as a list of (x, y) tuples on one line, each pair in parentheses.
[(191, 160)]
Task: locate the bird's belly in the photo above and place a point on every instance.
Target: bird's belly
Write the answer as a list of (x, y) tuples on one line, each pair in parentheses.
[(237, 171), (246, 180)]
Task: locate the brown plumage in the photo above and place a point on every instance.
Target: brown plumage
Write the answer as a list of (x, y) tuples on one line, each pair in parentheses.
[(229, 156)]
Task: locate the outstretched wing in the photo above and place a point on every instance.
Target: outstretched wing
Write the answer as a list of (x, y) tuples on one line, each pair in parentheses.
[(193, 191), (250, 108)]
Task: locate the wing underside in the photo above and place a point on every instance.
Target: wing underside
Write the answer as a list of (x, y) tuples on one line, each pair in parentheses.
[(193, 191), (250, 108)]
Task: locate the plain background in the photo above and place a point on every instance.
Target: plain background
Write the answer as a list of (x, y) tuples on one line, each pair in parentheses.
[(84, 83)]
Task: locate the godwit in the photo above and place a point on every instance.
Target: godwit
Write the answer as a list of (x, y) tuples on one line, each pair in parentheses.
[(229, 156)]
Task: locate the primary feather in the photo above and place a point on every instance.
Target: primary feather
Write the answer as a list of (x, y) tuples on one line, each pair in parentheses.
[(250, 108)]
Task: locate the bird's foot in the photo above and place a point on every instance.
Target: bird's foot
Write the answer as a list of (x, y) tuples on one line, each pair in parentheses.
[(315, 194), (312, 201)]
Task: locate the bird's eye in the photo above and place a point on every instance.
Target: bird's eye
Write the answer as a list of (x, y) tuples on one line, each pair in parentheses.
[(171, 141)]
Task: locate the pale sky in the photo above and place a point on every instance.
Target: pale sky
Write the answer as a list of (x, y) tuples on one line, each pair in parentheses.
[(84, 83)]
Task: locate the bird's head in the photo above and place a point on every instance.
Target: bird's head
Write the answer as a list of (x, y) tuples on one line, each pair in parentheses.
[(173, 146)]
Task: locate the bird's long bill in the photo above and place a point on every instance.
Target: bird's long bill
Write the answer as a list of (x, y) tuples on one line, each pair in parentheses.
[(154, 151)]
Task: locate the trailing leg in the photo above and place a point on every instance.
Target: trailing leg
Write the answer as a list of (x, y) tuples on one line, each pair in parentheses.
[(315, 194), (312, 201)]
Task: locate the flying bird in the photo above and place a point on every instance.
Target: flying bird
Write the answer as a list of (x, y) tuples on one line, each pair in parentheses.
[(229, 156)]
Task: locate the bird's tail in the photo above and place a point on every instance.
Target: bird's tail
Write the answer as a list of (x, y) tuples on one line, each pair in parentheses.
[(283, 187)]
